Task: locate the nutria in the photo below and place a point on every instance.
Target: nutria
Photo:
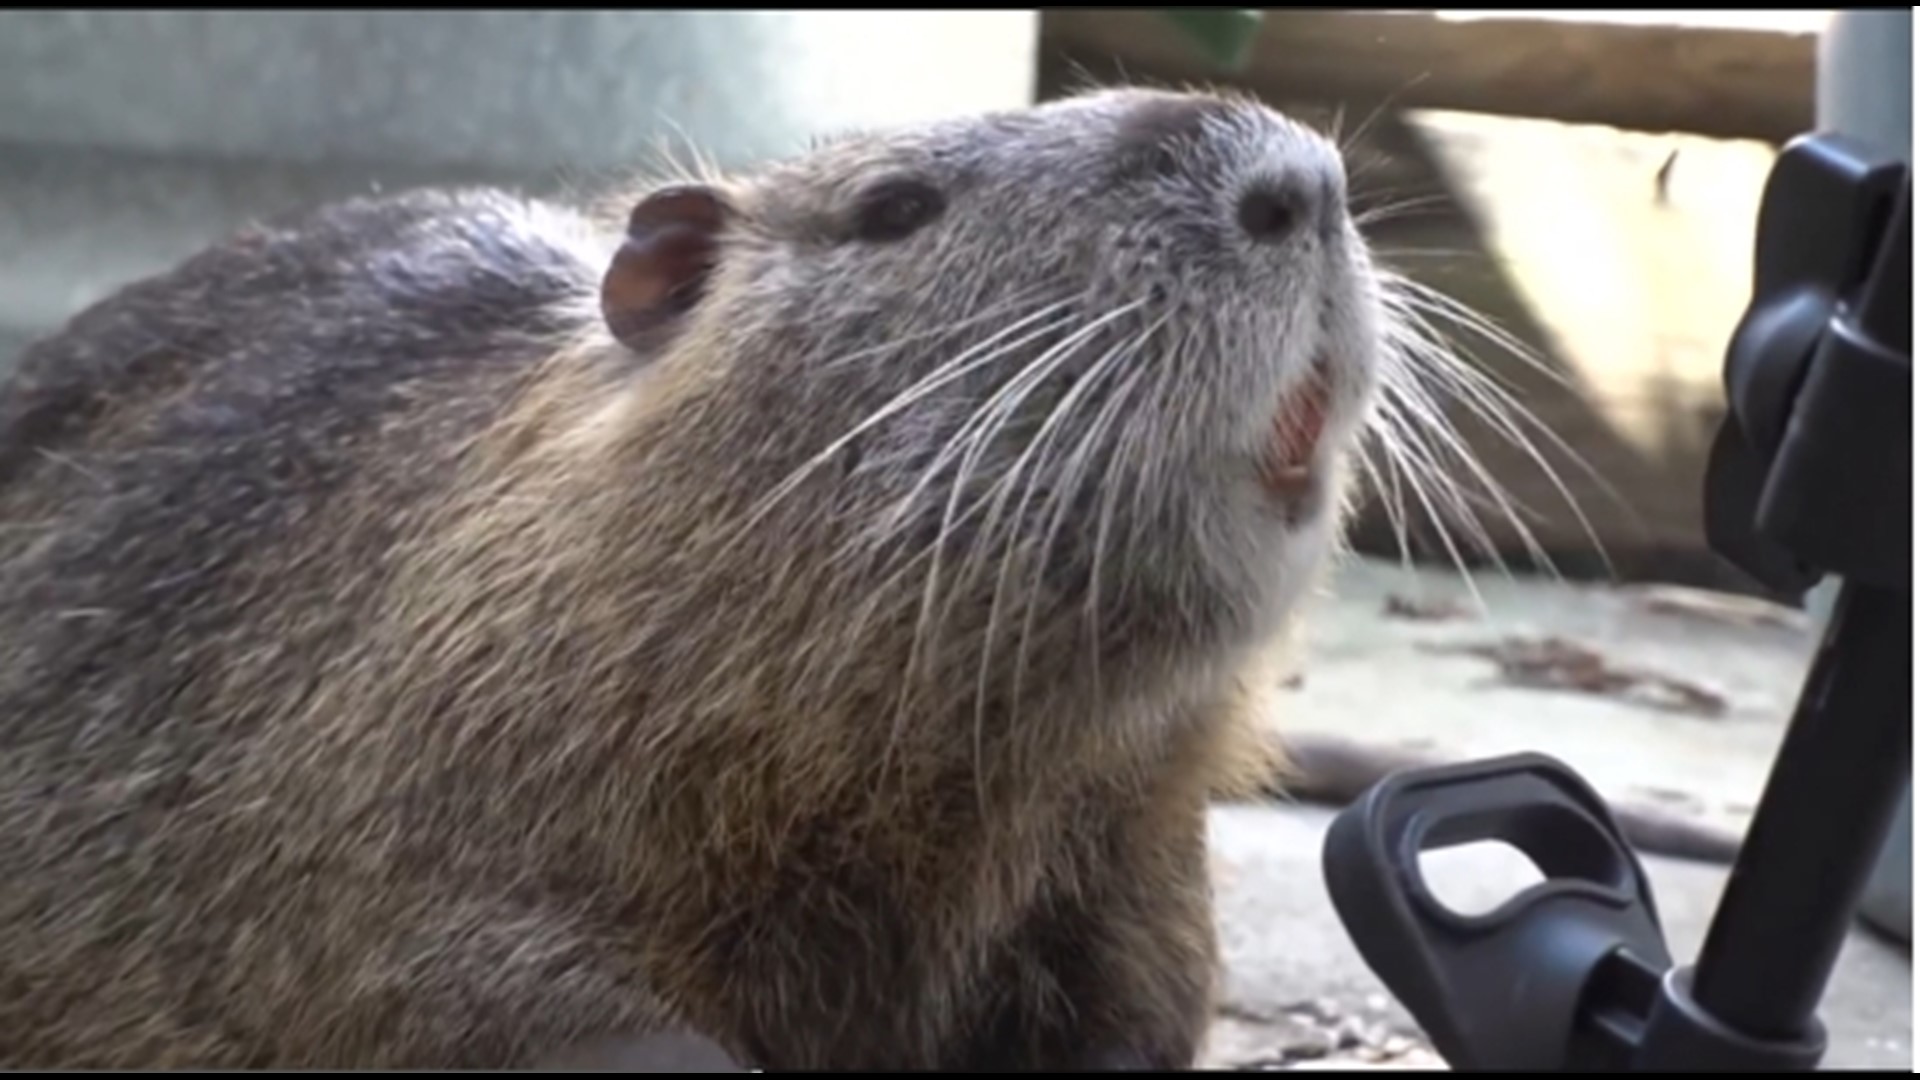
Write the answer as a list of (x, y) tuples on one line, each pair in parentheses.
[(445, 630)]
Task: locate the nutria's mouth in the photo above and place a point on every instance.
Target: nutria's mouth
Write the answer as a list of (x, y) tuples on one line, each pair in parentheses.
[(1299, 424)]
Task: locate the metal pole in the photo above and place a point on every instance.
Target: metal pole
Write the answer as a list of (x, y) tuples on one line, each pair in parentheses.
[(1777, 933)]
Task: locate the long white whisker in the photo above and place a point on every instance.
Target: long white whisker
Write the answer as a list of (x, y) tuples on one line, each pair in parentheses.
[(1482, 403), (1495, 405), (1003, 490), (1435, 426), (1394, 509), (1411, 427), (975, 435), (948, 372), (904, 505), (1069, 478), (962, 441), (1005, 487), (974, 431), (1396, 450), (1419, 296), (1103, 528), (993, 314), (1379, 111), (993, 416), (1367, 217)]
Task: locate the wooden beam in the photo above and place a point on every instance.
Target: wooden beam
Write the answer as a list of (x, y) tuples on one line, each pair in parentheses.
[(1727, 82)]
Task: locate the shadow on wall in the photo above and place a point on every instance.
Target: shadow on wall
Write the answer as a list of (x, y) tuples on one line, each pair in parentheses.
[(1626, 295)]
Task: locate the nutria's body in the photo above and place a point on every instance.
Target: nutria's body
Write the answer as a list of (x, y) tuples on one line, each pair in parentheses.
[(397, 671)]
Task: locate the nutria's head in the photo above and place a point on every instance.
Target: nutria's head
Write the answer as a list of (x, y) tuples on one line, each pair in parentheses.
[(1053, 395)]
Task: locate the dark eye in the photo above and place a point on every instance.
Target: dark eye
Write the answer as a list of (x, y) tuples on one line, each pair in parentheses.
[(896, 209)]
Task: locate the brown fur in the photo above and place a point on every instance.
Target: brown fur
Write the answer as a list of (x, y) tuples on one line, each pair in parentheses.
[(385, 681)]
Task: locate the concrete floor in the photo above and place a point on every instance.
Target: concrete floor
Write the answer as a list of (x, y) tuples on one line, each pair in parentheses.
[(1297, 991)]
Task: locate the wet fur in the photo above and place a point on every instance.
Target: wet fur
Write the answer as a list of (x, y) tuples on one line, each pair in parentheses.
[(386, 680)]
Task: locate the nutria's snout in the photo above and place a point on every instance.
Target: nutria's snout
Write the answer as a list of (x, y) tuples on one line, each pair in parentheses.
[(1286, 276), (1280, 181)]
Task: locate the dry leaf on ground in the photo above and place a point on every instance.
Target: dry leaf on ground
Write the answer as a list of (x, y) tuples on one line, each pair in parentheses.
[(1553, 663)]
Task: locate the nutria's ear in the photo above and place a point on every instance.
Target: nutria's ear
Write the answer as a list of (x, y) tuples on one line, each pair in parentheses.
[(661, 269)]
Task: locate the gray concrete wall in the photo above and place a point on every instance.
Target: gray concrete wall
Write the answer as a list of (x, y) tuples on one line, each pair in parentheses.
[(130, 138)]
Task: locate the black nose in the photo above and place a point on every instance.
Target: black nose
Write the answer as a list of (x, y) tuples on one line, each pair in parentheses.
[(1271, 211)]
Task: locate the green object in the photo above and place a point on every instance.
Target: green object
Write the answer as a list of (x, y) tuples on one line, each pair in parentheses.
[(1225, 35)]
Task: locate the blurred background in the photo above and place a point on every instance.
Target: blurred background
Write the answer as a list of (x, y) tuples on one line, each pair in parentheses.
[(1587, 180)]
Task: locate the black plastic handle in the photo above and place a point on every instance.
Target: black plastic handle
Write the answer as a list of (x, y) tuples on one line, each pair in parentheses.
[(1500, 990), (1819, 377)]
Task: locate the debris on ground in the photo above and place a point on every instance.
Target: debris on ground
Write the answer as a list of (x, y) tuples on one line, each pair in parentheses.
[(1680, 800), (1441, 610), (1314, 1035), (1718, 607), (1554, 663)]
